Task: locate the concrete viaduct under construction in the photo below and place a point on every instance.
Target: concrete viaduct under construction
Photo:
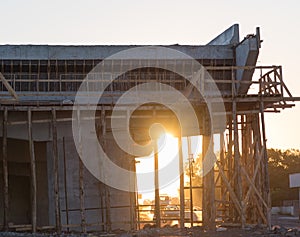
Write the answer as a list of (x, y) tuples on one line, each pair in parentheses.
[(46, 186)]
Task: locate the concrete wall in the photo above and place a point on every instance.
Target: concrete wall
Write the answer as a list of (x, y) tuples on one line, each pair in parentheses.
[(19, 183), (96, 210), (121, 203)]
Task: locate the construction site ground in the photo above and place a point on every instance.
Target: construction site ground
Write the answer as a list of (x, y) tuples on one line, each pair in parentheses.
[(281, 226)]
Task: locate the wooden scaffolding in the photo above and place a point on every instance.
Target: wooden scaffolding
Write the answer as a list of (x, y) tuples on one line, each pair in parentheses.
[(236, 192)]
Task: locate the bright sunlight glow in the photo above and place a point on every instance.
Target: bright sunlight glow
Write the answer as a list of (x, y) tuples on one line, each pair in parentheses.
[(168, 149)]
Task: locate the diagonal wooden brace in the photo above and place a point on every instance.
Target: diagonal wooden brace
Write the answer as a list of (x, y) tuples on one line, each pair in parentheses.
[(8, 87)]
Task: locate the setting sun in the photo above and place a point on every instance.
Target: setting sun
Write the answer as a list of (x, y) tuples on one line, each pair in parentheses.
[(167, 151)]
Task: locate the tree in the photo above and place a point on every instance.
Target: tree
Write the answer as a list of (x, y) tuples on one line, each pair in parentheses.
[(281, 164), (196, 167)]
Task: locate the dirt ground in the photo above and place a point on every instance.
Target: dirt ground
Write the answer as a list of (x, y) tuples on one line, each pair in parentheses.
[(286, 221), (281, 226)]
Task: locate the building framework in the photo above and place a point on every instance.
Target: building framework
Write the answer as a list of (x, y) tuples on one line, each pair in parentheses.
[(45, 184)]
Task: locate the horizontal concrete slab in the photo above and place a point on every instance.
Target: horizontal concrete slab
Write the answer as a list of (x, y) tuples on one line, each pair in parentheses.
[(85, 52)]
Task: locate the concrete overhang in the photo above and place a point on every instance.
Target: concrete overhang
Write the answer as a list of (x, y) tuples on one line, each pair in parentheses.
[(84, 52)]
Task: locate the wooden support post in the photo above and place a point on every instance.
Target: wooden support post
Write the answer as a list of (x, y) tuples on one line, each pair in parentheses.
[(107, 204), (55, 171), (5, 169), (230, 166), (156, 185), (65, 184), (101, 187), (208, 203), (190, 158), (101, 203), (205, 217), (81, 185), (257, 163), (266, 169), (132, 197), (237, 171), (222, 161), (243, 162), (33, 173), (81, 196), (181, 189), (106, 188)]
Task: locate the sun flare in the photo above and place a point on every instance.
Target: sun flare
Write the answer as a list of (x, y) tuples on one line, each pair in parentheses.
[(167, 151)]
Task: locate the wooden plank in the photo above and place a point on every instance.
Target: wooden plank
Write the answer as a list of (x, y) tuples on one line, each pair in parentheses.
[(282, 83), (190, 157), (225, 190), (156, 185), (254, 187), (243, 160), (33, 173), (230, 189), (8, 87), (101, 202), (5, 169), (108, 213), (222, 161), (66, 184), (55, 172), (237, 161), (81, 181), (260, 211), (132, 197), (266, 170), (81, 196), (181, 188), (253, 178), (208, 196), (106, 188), (229, 163)]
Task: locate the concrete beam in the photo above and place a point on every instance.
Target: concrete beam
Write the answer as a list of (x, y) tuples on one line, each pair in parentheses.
[(84, 52)]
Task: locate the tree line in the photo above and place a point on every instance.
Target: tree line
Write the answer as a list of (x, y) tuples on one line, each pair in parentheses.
[(281, 164)]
